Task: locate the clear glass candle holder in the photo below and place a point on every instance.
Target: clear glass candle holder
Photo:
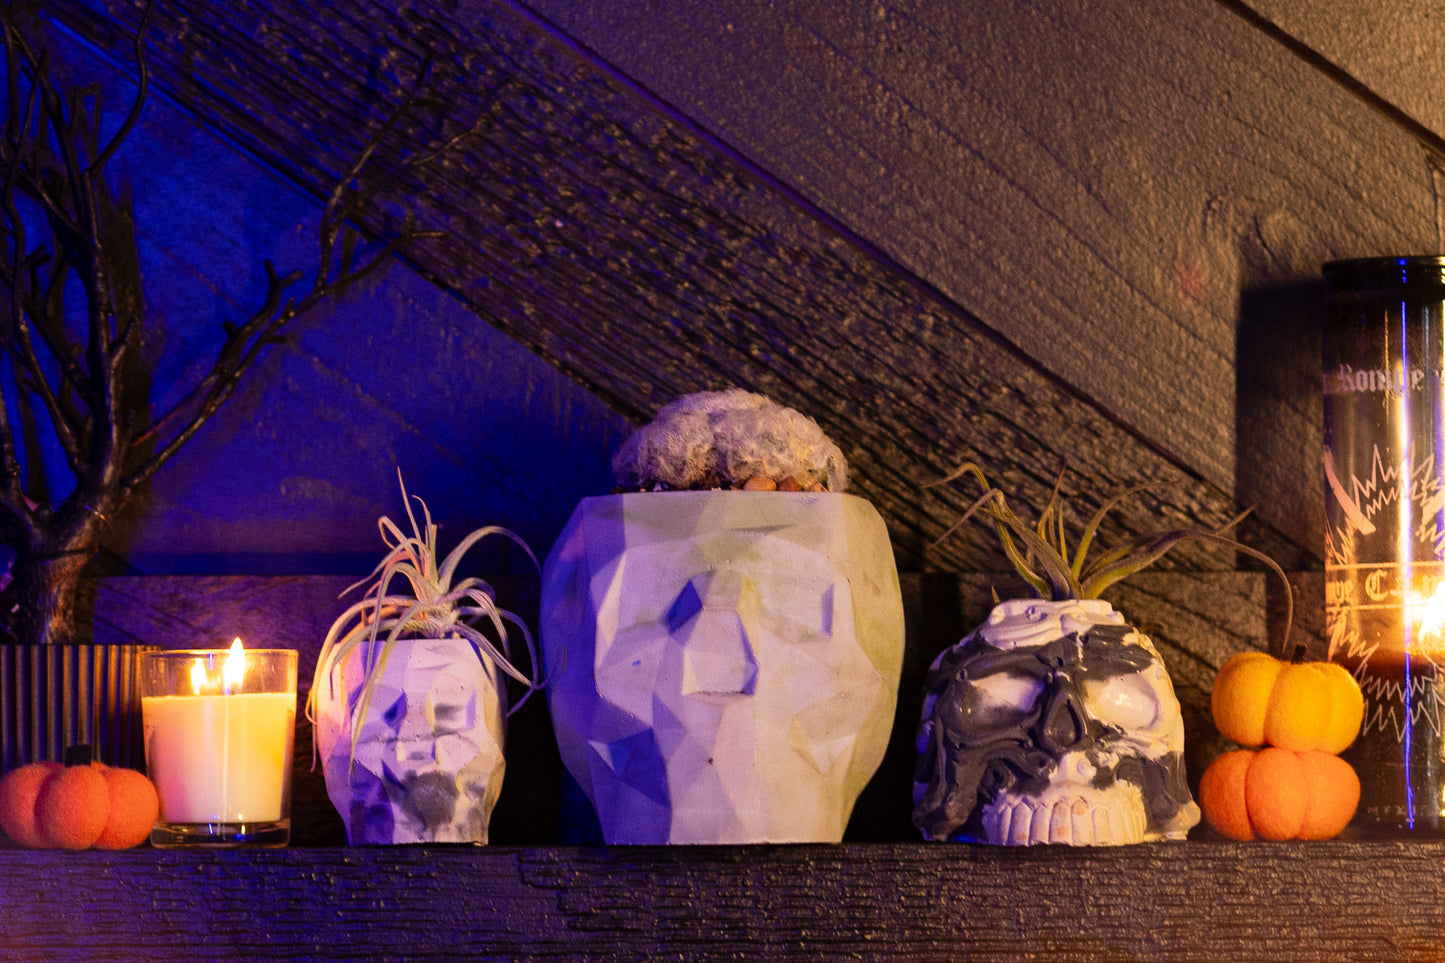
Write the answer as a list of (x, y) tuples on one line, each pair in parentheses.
[(220, 728), (1384, 467)]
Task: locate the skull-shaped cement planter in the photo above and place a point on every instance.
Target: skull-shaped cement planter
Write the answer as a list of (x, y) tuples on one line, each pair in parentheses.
[(1054, 722), (428, 764), (722, 665), (409, 701)]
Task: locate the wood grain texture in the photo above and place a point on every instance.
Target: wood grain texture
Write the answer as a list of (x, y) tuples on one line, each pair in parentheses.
[(1197, 620), (646, 260), (1391, 50), (1137, 194), (1158, 902)]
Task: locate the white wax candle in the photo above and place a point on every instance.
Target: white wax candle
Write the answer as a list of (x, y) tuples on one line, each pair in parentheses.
[(219, 758)]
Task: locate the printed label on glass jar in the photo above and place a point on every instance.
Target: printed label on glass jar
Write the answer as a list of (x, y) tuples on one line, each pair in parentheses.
[(1379, 609), (1346, 379)]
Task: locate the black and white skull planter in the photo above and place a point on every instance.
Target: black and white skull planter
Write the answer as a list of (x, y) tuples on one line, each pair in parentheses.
[(1053, 722)]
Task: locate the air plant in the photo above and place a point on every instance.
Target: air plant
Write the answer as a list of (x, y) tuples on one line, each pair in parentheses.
[(1040, 552), (437, 606), (1056, 721)]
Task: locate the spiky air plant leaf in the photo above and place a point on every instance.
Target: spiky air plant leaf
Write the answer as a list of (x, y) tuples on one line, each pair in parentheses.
[(426, 606), (1041, 556)]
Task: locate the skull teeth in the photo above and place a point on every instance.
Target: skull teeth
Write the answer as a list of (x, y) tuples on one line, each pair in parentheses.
[(1073, 822)]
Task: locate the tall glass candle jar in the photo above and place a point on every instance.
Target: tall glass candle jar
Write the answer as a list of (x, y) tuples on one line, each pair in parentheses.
[(1384, 411), (219, 734)]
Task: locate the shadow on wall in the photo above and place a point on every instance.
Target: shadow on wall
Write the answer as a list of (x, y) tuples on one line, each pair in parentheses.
[(1279, 370)]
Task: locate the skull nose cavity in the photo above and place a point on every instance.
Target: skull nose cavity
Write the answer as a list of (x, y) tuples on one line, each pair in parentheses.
[(714, 619), (717, 656), (1061, 726)]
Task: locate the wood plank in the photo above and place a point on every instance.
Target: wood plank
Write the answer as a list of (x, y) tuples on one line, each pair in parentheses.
[(293, 472), (645, 260), (1390, 49), (1137, 194), (1181, 901)]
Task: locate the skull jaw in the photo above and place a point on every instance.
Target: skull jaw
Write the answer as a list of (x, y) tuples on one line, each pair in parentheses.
[(1071, 814)]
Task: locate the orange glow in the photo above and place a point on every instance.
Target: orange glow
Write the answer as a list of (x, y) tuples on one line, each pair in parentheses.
[(1430, 639), (233, 671)]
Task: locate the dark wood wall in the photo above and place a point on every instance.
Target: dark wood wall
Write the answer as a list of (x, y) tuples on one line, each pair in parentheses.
[(1136, 195), (1086, 234)]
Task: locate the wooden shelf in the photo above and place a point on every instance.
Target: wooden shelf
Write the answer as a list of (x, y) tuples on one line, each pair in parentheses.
[(915, 901), (879, 895)]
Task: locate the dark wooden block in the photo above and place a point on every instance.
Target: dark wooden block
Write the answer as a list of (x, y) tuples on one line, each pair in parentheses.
[(1161, 902)]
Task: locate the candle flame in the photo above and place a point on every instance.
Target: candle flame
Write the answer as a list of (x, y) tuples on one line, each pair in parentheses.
[(1432, 619), (234, 669), (1429, 615)]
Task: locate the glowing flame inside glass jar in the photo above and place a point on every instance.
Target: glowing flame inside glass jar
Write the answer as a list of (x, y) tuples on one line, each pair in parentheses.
[(1429, 613), (221, 756), (233, 671)]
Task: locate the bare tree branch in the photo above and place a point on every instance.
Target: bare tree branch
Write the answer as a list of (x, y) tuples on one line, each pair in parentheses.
[(336, 271), (67, 227), (97, 166), (46, 308)]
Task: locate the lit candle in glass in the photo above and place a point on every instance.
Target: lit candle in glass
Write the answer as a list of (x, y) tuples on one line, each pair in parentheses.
[(219, 731), (1384, 435)]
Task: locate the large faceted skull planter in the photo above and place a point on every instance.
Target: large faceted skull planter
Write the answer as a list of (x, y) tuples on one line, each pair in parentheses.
[(428, 765), (1054, 722), (722, 665)]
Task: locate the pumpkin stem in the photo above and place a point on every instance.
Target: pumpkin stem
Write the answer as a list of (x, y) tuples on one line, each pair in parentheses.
[(1297, 654), (80, 755)]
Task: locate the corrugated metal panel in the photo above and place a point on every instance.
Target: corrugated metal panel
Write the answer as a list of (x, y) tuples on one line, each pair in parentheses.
[(54, 696)]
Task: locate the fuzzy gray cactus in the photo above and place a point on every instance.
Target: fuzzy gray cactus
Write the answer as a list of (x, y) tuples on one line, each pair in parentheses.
[(729, 439)]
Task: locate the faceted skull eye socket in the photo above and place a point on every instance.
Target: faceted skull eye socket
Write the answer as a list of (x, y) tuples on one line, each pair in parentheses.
[(1130, 702), (998, 701)]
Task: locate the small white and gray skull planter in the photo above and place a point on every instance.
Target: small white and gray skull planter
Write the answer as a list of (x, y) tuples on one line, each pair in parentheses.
[(409, 702), (428, 761), (1054, 722)]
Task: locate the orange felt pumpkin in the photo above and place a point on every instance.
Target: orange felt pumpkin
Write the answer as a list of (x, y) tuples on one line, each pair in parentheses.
[(134, 807), (18, 792), (73, 806), (1260, 700), (1278, 793), (77, 805)]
